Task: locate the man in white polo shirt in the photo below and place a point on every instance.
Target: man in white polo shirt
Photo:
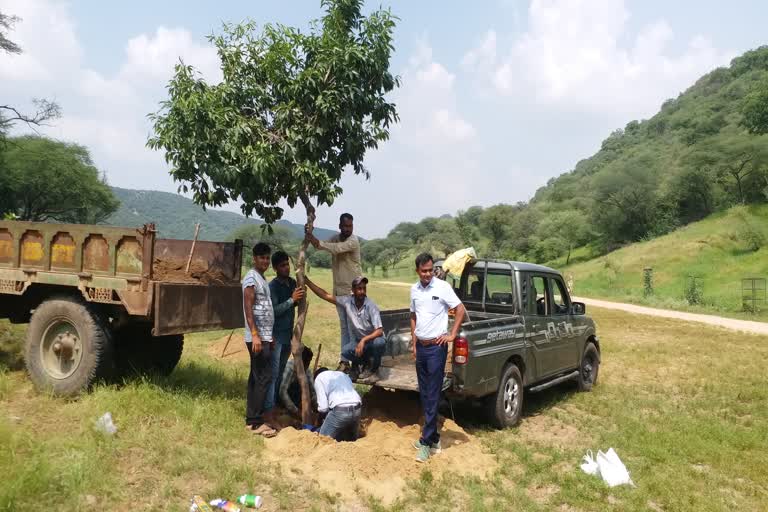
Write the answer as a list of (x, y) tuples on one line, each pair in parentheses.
[(431, 298)]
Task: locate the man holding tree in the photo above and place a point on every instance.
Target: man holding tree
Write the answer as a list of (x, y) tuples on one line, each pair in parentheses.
[(345, 254)]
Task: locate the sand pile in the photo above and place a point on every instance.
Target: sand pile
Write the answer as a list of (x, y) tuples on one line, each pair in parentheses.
[(174, 270), (382, 462)]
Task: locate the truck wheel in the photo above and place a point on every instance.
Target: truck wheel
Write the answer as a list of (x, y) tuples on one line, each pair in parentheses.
[(506, 406), (138, 352), (68, 346), (589, 367)]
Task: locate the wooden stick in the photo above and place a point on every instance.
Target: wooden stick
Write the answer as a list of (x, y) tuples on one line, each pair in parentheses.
[(192, 249), (317, 357), (226, 344)]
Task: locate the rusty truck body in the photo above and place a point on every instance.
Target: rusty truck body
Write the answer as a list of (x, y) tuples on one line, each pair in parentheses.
[(96, 305)]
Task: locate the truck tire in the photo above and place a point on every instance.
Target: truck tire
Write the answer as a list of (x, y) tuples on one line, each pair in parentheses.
[(506, 405), (589, 367), (138, 352), (68, 346)]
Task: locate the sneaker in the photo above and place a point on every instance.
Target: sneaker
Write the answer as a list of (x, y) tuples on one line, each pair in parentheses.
[(434, 449), (423, 454), (343, 367), (369, 376)]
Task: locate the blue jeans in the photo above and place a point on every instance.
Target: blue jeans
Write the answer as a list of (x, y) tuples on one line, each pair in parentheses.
[(345, 338), (374, 349), (280, 353), (342, 425), (430, 371)]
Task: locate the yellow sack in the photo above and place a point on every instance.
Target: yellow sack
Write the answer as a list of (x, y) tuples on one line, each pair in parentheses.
[(455, 262)]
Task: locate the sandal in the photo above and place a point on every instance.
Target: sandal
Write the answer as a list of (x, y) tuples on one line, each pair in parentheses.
[(264, 430)]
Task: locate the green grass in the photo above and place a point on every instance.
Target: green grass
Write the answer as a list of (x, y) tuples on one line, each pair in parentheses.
[(684, 406), (713, 249)]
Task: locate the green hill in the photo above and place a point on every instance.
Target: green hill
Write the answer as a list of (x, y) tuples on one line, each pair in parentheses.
[(718, 251), (176, 216)]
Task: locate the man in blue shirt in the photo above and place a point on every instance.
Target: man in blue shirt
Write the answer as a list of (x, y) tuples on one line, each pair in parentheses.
[(285, 297), (431, 299), (365, 331), (259, 322)]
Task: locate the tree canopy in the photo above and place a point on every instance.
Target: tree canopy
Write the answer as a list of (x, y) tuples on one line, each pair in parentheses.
[(42, 179)]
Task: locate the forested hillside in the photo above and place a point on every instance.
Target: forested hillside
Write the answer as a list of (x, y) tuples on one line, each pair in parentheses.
[(175, 216), (693, 158)]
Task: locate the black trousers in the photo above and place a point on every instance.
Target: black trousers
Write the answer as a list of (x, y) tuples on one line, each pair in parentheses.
[(258, 385)]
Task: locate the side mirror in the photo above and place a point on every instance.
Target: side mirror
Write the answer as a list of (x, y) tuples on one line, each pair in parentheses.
[(578, 308)]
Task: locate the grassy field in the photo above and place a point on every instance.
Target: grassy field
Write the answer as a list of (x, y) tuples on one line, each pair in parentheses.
[(714, 250), (683, 405)]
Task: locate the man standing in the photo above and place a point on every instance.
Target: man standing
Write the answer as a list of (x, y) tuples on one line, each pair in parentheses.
[(431, 299), (285, 297), (366, 335), (259, 322), (345, 255), (338, 401)]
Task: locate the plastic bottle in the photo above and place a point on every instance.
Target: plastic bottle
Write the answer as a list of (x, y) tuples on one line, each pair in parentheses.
[(225, 505), (250, 500), (199, 505)]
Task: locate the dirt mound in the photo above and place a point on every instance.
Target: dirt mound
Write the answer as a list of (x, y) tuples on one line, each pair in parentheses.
[(382, 461), (174, 270), (236, 350)]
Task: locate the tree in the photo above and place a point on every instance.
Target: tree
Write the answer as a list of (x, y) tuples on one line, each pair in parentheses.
[(468, 222), (280, 239), (42, 179), (293, 111), (494, 224), (755, 111), (412, 231), (393, 250), (45, 110), (559, 232), (446, 237), (370, 253)]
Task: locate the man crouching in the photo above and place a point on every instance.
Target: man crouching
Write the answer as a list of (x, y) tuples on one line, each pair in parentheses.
[(338, 404)]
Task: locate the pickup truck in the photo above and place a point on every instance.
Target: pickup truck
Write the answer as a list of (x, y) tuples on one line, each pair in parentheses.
[(102, 301), (522, 334)]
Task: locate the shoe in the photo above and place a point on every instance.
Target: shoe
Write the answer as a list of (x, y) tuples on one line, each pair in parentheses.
[(434, 449), (423, 454), (343, 367)]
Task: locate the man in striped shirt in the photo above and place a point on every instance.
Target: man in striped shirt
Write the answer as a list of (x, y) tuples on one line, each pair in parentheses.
[(259, 323)]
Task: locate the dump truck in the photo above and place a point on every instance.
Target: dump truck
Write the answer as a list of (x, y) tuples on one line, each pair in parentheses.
[(102, 301), (522, 333)]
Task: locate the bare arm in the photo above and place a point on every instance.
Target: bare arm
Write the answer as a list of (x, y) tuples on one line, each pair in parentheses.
[(319, 291), (249, 298), (457, 320), (413, 333)]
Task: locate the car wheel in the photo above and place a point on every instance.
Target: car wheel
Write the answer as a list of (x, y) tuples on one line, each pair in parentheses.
[(506, 405), (589, 367)]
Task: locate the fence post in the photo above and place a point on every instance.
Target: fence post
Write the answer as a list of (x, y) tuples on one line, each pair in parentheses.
[(647, 281)]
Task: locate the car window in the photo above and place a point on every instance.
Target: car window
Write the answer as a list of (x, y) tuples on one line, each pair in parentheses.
[(499, 289), (559, 297), (475, 287), (537, 302)]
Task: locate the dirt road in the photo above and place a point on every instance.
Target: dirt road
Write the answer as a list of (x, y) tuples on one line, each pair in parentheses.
[(728, 323)]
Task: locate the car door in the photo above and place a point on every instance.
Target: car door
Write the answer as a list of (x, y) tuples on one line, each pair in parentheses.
[(565, 343), (539, 327)]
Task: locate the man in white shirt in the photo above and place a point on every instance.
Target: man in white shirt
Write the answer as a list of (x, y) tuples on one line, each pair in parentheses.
[(345, 254), (338, 401), (431, 298)]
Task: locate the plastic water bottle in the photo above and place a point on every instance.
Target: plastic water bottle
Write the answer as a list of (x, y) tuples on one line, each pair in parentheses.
[(250, 500), (225, 505), (105, 425)]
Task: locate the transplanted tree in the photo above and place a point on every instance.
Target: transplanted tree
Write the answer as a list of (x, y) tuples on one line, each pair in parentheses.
[(446, 237), (293, 111), (43, 180)]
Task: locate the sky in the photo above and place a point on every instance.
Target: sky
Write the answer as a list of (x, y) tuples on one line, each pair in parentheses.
[(497, 97)]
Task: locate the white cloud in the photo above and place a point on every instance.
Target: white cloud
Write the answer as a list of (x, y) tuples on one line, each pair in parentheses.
[(574, 55)]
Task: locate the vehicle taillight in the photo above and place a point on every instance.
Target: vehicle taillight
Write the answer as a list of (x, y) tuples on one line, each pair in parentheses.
[(460, 351)]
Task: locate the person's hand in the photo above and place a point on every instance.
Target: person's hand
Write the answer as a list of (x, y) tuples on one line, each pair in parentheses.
[(298, 294), (445, 338), (256, 346), (308, 229), (413, 346), (360, 348)]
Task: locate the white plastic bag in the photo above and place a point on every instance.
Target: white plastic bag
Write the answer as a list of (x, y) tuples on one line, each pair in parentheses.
[(612, 470), (105, 425), (589, 464)]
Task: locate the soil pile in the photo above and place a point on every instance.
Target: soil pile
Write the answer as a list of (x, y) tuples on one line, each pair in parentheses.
[(174, 270), (382, 461)]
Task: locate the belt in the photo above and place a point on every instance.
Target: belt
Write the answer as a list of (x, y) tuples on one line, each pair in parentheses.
[(346, 407), (427, 343)]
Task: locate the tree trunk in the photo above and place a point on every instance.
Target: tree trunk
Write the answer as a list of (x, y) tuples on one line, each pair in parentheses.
[(568, 258), (301, 317)]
